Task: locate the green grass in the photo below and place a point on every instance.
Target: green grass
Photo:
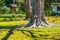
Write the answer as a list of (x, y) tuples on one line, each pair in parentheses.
[(11, 15), (29, 34), (11, 31), (11, 19), (13, 23)]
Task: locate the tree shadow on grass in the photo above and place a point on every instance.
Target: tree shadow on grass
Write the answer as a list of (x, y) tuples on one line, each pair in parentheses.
[(30, 32), (1, 27), (10, 31)]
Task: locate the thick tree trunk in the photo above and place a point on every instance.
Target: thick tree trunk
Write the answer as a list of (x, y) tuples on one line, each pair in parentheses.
[(28, 8), (38, 17)]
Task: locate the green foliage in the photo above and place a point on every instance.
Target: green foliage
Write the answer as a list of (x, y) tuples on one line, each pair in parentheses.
[(6, 10), (2, 2), (22, 7), (21, 10), (48, 8)]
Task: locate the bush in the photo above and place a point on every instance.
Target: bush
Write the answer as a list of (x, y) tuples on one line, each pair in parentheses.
[(5, 10)]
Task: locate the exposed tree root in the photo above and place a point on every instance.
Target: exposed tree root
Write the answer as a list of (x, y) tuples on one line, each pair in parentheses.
[(38, 24)]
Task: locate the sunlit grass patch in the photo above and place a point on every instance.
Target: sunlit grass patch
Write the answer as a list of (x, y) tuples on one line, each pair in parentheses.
[(12, 23), (3, 33), (51, 19)]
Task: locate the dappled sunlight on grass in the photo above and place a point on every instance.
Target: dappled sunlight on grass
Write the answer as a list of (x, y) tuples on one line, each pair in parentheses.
[(54, 20), (34, 33), (11, 31)]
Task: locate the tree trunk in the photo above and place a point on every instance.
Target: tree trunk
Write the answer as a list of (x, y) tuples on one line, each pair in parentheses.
[(37, 17), (28, 8)]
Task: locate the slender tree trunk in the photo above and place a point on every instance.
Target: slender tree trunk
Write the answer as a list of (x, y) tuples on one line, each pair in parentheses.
[(28, 8), (37, 17)]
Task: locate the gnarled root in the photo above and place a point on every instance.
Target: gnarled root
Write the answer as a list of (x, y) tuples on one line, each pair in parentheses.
[(38, 24)]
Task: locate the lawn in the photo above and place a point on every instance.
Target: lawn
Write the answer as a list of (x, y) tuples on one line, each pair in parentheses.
[(11, 30)]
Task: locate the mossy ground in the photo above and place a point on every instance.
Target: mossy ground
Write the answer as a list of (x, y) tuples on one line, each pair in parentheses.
[(12, 31)]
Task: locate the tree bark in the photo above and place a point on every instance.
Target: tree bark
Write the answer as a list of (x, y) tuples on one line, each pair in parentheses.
[(38, 17), (28, 8)]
